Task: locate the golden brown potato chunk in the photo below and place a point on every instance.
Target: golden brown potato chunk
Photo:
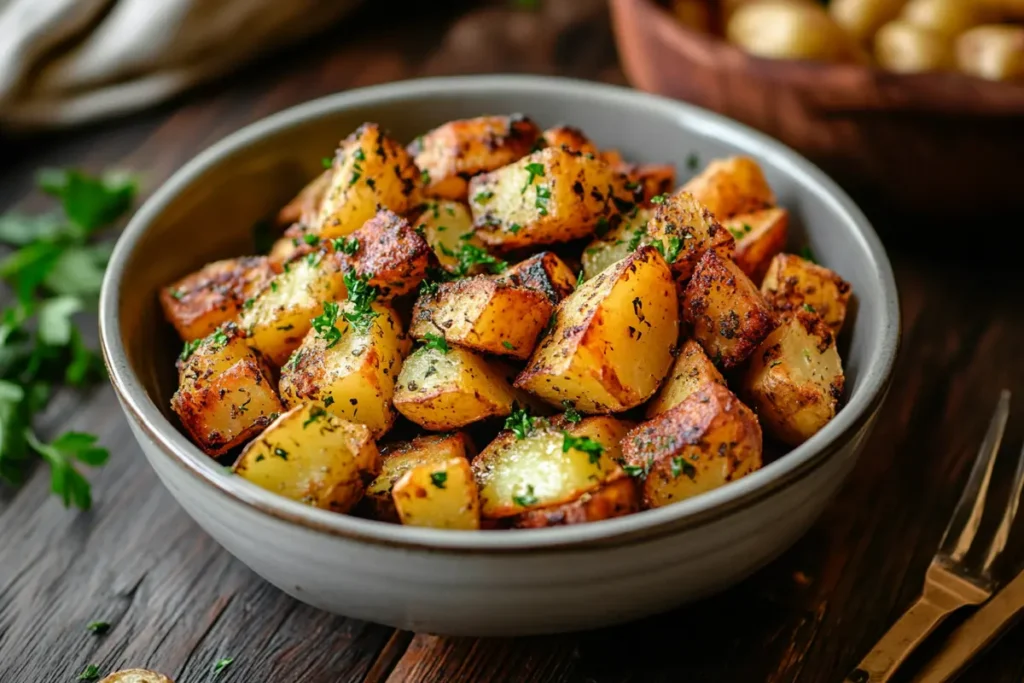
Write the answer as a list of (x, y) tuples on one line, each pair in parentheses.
[(371, 171), (400, 457), (277, 318), (650, 181), (451, 154), (545, 273), (294, 245), (225, 391), (759, 237), (388, 251), (706, 441), (795, 379), (312, 457), (683, 230), (438, 495), (201, 302), (691, 372), (618, 243), (304, 207), (571, 138), (539, 463), (731, 186), (612, 339), (728, 314), (614, 499), (349, 365), (441, 390), (553, 195), (447, 227), (793, 283), (483, 314)]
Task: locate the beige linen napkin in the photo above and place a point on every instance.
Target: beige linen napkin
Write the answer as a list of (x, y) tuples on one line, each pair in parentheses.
[(64, 62)]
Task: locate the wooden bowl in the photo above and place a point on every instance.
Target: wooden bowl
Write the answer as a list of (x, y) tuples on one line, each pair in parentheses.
[(941, 145)]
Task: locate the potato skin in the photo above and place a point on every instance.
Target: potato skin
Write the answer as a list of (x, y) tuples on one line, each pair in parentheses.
[(303, 208), (483, 314), (759, 237), (614, 499), (706, 441), (727, 312), (451, 154), (518, 475), (545, 273), (691, 372), (612, 340), (438, 495), (370, 171), (400, 457), (571, 138), (201, 302), (553, 195), (795, 379), (731, 186), (793, 283), (394, 255), (353, 376), (995, 53), (225, 392), (313, 457), (441, 391), (685, 229)]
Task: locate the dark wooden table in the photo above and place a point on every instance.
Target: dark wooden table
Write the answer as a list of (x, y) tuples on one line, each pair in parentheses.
[(178, 602)]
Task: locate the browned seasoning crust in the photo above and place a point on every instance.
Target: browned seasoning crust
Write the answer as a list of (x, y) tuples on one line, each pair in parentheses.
[(614, 499), (387, 250)]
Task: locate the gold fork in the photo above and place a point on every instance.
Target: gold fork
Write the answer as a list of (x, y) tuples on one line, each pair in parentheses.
[(951, 581)]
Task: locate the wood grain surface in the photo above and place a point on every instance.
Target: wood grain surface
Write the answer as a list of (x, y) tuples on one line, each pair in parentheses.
[(178, 603)]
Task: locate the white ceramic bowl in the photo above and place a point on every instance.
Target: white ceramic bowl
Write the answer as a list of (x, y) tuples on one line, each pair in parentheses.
[(486, 582)]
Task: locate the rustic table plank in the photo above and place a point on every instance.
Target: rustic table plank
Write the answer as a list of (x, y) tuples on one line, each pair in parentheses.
[(178, 602)]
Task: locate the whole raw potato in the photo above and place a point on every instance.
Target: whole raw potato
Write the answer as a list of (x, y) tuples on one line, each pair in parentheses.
[(861, 18), (992, 52), (902, 47), (777, 29)]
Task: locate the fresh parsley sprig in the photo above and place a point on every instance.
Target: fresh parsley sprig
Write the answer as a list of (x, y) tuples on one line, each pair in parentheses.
[(54, 268), (361, 295)]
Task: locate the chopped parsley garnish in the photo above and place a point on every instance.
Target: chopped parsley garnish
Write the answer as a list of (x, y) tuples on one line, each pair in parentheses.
[(438, 479), (281, 453), (602, 227), (326, 162), (470, 255), (636, 471), (508, 345), (324, 324), (310, 239), (675, 245), (222, 664), (481, 197), (189, 348), (680, 466), (220, 338), (435, 276), (739, 233), (98, 627), (346, 245), (584, 444), (809, 308), (316, 413), (543, 195), (425, 177), (177, 294), (579, 278), (692, 161), (329, 401), (571, 414), (248, 303), (659, 199), (807, 355), (535, 170), (359, 155), (435, 342), (361, 295), (90, 673), (638, 236), (526, 499), (807, 254), (514, 228), (519, 423)]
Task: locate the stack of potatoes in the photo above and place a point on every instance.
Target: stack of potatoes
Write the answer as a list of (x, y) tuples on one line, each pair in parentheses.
[(492, 284), (981, 38)]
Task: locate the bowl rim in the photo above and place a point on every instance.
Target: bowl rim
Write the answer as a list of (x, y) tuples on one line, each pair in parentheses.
[(700, 510)]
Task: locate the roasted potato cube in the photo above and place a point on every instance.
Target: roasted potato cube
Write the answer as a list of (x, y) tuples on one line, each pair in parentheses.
[(759, 237), (201, 302), (440, 495), (612, 340), (614, 499), (483, 314), (553, 195), (992, 52), (447, 226), (304, 207), (728, 314), (350, 367), (793, 283), (571, 138), (279, 317), (545, 273), (388, 251), (451, 154), (706, 441), (692, 371), (225, 392), (370, 171), (651, 180), (398, 458), (684, 229), (728, 187), (544, 463), (312, 456), (795, 379), (441, 390), (617, 244)]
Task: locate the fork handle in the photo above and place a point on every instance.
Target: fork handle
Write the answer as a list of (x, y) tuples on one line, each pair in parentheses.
[(902, 638)]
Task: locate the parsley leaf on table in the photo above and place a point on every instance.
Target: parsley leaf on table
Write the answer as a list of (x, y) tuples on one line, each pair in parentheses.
[(55, 270)]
